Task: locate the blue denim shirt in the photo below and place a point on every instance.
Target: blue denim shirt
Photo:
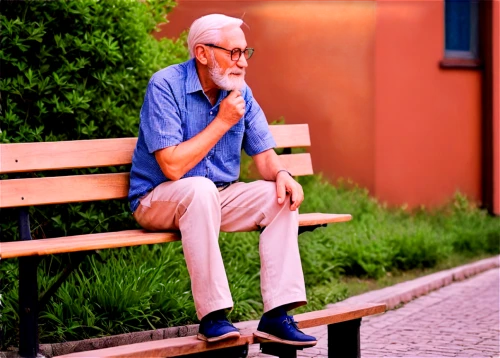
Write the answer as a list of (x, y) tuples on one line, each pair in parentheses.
[(175, 109)]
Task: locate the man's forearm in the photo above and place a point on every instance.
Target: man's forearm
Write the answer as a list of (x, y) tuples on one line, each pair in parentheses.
[(176, 161), (268, 164)]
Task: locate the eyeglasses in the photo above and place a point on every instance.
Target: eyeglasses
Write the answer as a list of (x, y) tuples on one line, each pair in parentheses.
[(236, 52)]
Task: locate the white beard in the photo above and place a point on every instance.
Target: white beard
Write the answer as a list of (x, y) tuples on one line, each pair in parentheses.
[(231, 79)]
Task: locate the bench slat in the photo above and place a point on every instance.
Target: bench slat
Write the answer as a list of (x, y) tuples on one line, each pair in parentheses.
[(189, 345), (85, 242), (311, 219), (291, 135), (24, 157), (122, 238), (92, 187), (65, 189), (297, 164), (338, 314)]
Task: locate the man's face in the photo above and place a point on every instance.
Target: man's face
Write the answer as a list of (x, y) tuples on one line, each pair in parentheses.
[(228, 74)]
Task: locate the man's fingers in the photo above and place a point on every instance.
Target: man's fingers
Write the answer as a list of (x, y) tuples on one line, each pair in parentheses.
[(297, 197), (281, 191), (239, 101), (294, 198), (235, 93)]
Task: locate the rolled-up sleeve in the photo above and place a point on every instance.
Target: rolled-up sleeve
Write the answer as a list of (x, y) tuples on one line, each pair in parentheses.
[(160, 116), (258, 137)]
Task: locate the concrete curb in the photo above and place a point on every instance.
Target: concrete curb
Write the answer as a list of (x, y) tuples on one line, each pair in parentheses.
[(405, 292), (56, 349), (392, 296)]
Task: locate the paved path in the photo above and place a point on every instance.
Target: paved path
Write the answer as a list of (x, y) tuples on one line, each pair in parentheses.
[(459, 320)]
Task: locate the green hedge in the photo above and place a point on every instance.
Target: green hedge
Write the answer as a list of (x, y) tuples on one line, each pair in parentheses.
[(77, 70)]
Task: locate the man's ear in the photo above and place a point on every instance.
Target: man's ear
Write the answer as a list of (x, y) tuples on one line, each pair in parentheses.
[(201, 54)]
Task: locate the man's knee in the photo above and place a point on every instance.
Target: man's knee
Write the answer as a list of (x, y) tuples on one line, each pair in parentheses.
[(267, 189), (268, 204), (202, 190)]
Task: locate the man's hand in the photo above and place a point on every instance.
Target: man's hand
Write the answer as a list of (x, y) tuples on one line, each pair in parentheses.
[(232, 108), (270, 168), (286, 184)]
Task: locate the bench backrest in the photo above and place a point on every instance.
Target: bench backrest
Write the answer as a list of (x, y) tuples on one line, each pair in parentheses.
[(32, 157)]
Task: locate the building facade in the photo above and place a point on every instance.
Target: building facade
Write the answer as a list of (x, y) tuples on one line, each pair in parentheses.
[(402, 97)]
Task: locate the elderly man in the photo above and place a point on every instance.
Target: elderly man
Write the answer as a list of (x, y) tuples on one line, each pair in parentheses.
[(196, 118)]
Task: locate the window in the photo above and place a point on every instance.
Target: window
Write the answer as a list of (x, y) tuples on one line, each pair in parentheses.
[(461, 29)]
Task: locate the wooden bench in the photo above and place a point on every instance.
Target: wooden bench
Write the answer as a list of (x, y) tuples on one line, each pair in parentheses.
[(25, 192)]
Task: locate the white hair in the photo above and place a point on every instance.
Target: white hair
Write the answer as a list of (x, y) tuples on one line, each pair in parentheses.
[(207, 29)]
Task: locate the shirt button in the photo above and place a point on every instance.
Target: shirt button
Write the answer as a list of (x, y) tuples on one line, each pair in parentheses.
[(211, 112)]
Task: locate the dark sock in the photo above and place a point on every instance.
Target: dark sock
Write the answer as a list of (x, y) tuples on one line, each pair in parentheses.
[(215, 315), (276, 312)]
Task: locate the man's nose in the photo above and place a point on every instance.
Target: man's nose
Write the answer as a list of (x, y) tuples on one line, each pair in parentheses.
[(242, 62)]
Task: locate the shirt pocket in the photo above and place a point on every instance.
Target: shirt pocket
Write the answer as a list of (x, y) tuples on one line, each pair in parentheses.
[(230, 145), (191, 125)]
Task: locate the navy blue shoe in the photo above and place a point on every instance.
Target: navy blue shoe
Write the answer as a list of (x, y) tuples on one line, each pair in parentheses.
[(283, 329), (216, 328)]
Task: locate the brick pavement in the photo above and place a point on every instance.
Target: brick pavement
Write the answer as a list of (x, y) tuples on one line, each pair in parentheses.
[(459, 320)]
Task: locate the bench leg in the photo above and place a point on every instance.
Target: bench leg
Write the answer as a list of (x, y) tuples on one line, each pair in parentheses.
[(28, 294), (232, 352), (279, 350), (343, 339)]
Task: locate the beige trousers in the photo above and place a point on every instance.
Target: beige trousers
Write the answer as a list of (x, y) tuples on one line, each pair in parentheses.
[(196, 208)]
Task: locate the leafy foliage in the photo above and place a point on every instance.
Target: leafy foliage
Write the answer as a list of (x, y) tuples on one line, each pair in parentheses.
[(78, 70), (75, 70)]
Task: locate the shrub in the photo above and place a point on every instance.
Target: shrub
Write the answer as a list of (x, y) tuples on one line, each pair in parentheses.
[(78, 70), (75, 70)]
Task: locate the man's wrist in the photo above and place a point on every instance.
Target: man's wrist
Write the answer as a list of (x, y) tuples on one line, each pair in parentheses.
[(222, 122), (283, 170)]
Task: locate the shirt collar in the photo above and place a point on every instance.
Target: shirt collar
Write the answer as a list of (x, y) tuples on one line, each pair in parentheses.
[(193, 82)]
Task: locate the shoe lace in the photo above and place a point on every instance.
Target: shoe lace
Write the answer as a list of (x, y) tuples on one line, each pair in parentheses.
[(289, 320)]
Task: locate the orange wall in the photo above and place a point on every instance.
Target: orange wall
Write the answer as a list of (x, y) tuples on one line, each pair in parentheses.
[(427, 120), (313, 63), (496, 107)]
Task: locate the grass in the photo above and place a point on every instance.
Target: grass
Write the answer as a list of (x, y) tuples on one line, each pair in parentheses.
[(146, 287), (357, 285)]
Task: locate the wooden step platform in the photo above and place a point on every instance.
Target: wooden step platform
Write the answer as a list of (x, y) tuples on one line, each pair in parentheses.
[(188, 345), (123, 238)]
